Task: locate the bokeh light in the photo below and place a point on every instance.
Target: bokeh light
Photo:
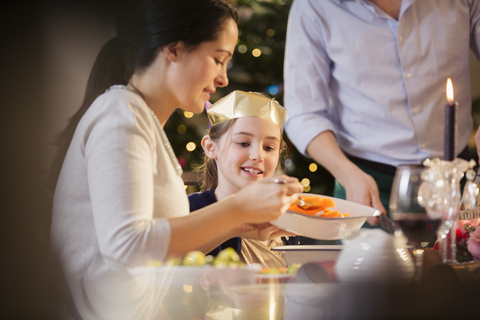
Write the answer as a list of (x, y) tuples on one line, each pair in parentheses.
[(191, 146), (242, 48), (273, 90), (181, 129), (266, 50), (305, 182), (188, 114), (288, 162), (256, 52)]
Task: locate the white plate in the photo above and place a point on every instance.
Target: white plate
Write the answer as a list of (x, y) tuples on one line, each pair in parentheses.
[(309, 253), (327, 228)]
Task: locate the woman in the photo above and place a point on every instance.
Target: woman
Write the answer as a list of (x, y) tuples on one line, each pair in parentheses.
[(119, 200)]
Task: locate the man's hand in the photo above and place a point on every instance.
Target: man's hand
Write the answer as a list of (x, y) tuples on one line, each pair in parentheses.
[(359, 186), (362, 188)]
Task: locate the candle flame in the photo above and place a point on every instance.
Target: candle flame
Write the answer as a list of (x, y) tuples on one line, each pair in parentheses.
[(449, 91)]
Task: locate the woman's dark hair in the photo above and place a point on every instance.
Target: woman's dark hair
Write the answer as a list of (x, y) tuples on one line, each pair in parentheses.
[(210, 166), (156, 23)]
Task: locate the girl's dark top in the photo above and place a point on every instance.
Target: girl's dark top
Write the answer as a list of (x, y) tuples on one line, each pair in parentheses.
[(202, 199)]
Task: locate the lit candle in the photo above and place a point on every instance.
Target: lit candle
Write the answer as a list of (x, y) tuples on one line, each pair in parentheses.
[(450, 124)]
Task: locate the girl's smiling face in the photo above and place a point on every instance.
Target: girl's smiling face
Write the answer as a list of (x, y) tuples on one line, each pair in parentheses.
[(249, 151)]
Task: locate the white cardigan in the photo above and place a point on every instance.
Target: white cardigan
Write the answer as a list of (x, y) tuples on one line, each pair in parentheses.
[(117, 185)]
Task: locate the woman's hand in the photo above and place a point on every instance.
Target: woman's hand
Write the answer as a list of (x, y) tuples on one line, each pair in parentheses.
[(266, 200)]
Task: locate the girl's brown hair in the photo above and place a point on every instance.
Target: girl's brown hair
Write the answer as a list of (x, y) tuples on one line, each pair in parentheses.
[(210, 167)]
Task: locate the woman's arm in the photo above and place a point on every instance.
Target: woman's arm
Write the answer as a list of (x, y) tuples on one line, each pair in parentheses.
[(259, 202)]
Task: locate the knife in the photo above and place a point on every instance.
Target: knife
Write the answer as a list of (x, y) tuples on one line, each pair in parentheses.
[(387, 224)]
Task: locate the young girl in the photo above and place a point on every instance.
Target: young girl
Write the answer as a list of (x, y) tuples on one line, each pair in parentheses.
[(243, 145), (119, 198)]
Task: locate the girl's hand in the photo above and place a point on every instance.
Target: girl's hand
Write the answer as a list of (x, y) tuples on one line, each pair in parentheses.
[(267, 199), (260, 231)]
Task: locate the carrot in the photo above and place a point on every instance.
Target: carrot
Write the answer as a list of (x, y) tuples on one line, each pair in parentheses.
[(330, 213), (319, 206), (328, 203), (283, 270)]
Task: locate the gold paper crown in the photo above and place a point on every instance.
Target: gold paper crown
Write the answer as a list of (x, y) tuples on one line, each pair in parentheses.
[(238, 104)]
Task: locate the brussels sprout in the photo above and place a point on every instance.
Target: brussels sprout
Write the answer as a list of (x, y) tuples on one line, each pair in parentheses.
[(173, 262), (209, 259), (194, 258), (293, 268), (274, 271), (227, 258)]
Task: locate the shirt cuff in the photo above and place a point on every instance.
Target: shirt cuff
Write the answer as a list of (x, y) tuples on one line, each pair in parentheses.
[(302, 129)]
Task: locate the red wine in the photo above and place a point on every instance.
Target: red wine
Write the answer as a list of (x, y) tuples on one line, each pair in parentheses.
[(419, 229)]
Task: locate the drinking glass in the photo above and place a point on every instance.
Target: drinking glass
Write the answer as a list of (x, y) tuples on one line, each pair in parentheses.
[(408, 211)]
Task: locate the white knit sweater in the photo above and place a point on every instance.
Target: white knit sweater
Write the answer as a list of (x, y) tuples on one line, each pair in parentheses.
[(117, 185)]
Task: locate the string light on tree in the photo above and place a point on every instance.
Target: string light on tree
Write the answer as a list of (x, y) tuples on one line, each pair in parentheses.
[(306, 184), (181, 129), (256, 52), (256, 39), (191, 146), (242, 48), (266, 50)]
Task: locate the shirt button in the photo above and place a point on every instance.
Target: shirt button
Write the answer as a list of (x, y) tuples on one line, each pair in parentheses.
[(409, 75), (400, 38), (415, 110)]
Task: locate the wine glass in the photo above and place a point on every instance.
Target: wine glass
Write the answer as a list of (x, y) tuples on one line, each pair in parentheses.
[(408, 211)]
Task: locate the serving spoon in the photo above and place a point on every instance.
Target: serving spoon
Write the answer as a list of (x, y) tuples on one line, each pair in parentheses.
[(304, 205)]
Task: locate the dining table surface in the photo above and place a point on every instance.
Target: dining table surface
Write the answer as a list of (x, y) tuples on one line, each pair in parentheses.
[(446, 291)]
